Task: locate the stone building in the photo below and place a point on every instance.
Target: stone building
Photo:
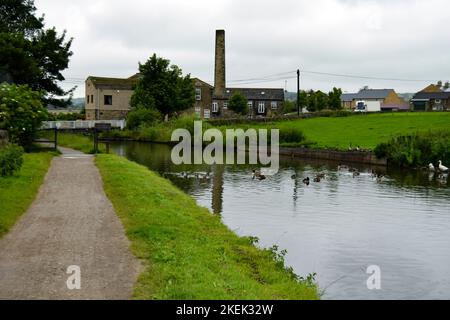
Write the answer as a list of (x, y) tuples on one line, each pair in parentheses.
[(108, 98), (262, 102)]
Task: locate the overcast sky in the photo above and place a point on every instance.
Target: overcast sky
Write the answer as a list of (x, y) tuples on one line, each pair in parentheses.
[(401, 39)]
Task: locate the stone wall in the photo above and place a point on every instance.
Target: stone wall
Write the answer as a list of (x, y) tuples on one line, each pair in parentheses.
[(339, 156), (106, 114)]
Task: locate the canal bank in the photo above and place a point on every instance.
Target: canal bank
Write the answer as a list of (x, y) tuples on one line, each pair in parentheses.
[(187, 251)]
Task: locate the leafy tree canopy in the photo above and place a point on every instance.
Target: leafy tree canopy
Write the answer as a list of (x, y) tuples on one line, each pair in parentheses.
[(163, 87), (31, 54), (238, 103), (21, 112)]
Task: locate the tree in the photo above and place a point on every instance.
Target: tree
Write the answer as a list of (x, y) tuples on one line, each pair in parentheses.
[(321, 100), (163, 87), (303, 99), (31, 54), (21, 113), (334, 99), (311, 101), (238, 103)]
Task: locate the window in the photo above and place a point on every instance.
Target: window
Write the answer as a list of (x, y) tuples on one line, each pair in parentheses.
[(87, 99), (92, 98), (437, 101), (108, 100), (261, 107), (198, 94), (225, 105), (274, 105), (206, 114), (215, 107)]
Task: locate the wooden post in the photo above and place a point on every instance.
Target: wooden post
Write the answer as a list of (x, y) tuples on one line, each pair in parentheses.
[(56, 139)]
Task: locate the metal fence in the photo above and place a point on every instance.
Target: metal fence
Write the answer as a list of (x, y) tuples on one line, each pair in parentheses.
[(81, 124)]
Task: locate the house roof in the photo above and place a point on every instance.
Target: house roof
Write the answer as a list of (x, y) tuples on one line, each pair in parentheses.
[(202, 82), (366, 94), (373, 93), (257, 93), (348, 97), (112, 83), (431, 88), (432, 95)]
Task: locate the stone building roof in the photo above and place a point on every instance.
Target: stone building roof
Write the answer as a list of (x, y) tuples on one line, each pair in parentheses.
[(257, 93), (373, 93), (113, 83), (443, 95)]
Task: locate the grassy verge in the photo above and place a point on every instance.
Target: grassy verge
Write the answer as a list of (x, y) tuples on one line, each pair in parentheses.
[(188, 252), (18, 191)]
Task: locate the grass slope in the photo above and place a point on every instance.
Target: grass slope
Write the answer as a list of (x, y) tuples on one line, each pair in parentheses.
[(18, 191), (366, 131), (188, 252)]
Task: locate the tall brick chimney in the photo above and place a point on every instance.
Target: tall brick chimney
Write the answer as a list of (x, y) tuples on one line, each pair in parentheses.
[(219, 71)]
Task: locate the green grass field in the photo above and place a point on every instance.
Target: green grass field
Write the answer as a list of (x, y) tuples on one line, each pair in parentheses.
[(188, 252), (366, 131), (18, 191)]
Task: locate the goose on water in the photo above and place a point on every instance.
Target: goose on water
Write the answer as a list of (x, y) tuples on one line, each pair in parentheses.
[(442, 167), (431, 167), (258, 175)]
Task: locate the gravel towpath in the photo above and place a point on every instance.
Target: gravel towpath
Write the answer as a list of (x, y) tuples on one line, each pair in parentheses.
[(70, 223)]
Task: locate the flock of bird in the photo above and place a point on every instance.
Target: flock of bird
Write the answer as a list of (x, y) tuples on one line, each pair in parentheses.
[(354, 172), (441, 170)]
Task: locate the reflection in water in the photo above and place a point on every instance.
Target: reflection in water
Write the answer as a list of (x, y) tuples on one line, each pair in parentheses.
[(336, 227), (217, 189)]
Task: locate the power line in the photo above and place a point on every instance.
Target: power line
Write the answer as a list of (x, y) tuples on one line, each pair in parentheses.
[(366, 77)]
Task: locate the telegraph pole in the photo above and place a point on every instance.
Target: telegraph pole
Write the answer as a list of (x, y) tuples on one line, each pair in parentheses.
[(298, 92)]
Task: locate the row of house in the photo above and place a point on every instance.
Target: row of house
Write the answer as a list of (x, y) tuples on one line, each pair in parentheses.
[(435, 97), (109, 98)]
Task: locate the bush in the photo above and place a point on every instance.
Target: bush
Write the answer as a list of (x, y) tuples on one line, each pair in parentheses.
[(238, 103), (71, 116), (291, 135), (142, 117), (11, 159), (21, 113), (418, 149)]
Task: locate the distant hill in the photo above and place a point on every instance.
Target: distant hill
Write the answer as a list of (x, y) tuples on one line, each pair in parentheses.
[(78, 103), (406, 96)]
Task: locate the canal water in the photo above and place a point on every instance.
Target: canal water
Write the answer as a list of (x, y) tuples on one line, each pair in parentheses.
[(335, 228)]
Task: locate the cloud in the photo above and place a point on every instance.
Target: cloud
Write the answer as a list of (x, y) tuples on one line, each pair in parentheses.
[(394, 39)]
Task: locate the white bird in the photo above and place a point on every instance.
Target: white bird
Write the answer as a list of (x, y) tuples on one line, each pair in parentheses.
[(442, 167), (431, 167)]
